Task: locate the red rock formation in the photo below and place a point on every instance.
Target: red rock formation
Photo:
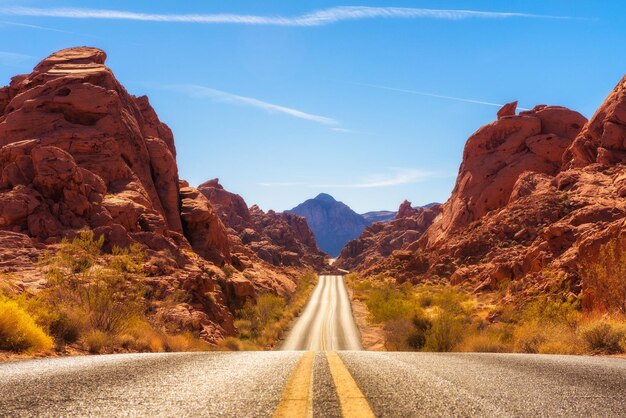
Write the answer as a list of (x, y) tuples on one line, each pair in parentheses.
[(602, 139), (497, 154), (77, 151), (280, 239), (381, 239), (523, 211), (508, 109)]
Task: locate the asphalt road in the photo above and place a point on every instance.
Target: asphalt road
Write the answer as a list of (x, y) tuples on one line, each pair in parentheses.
[(251, 384), (326, 322), (321, 381)]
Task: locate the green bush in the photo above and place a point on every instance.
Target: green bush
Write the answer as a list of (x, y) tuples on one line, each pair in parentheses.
[(18, 330), (421, 325), (103, 289), (604, 337), (388, 303), (445, 333)]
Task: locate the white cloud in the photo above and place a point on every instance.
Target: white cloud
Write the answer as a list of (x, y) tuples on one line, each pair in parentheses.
[(281, 184), (439, 96), (398, 177), (316, 18), (343, 130), (222, 96), (12, 58)]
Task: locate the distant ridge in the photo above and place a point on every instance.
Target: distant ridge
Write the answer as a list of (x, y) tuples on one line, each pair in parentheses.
[(334, 223)]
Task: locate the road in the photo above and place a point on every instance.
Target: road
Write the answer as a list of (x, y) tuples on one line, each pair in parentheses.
[(326, 322), (314, 382)]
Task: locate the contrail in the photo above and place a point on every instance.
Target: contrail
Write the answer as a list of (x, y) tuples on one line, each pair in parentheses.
[(315, 18), (219, 95), (439, 96)]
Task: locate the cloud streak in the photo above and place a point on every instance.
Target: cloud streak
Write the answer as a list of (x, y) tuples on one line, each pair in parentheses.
[(315, 18), (439, 96), (397, 177), (222, 96), (12, 58)]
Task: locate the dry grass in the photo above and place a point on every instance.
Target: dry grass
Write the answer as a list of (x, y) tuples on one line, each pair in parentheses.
[(93, 301), (18, 330), (445, 318)]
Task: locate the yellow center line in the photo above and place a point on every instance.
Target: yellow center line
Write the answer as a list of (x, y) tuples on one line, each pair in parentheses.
[(352, 401), (296, 399)]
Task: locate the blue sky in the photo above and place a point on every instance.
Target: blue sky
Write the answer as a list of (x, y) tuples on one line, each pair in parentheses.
[(282, 100)]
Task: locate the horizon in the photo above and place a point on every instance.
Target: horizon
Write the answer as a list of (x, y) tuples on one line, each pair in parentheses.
[(311, 123)]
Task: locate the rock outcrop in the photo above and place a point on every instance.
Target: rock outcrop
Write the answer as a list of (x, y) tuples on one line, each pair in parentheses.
[(536, 197), (280, 239), (77, 151), (381, 239)]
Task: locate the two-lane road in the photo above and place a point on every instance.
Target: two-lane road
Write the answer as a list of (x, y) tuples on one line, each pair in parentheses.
[(326, 322), (316, 383)]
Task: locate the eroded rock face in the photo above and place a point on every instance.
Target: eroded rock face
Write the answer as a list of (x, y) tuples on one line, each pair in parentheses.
[(381, 239), (497, 154), (78, 152), (603, 138), (537, 195), (280, 239)]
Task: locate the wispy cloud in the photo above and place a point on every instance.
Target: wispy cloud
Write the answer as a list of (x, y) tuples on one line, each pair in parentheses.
[(222, 96), (439, 96), (316, 18), (396, 177), (13, 58), (343, 130), (281, 184), (26, 25)]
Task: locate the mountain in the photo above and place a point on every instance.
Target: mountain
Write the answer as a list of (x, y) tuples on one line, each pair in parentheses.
[(281, 239), (378, 216), (78, 152), (332, 222)]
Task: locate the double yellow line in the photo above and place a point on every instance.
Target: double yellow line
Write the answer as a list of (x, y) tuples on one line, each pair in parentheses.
[(297, 399)]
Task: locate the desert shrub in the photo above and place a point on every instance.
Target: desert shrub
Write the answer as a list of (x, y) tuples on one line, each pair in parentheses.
[(445, 333), (18, 330), (388, 303), (551, 310), (421, 325), (103, 289), (66, 327), (484, 343), (184, 342), (269, 307), (529, 337), (604, 276), (397, 333), (603, 336), (96, 341), (262, 322), (231, 344)]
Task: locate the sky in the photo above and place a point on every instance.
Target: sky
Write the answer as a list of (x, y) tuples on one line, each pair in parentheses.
[(371, 102)]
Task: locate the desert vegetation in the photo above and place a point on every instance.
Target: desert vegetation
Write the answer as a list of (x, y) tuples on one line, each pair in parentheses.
[(264, 321), (449, 318), (92, 302)]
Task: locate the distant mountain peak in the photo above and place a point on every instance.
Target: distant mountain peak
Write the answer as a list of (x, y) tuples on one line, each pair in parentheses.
[(325, 197)]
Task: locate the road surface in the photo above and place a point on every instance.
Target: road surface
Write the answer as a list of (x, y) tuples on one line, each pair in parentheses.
[(326, 322), (259, 384), (315, 382)]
